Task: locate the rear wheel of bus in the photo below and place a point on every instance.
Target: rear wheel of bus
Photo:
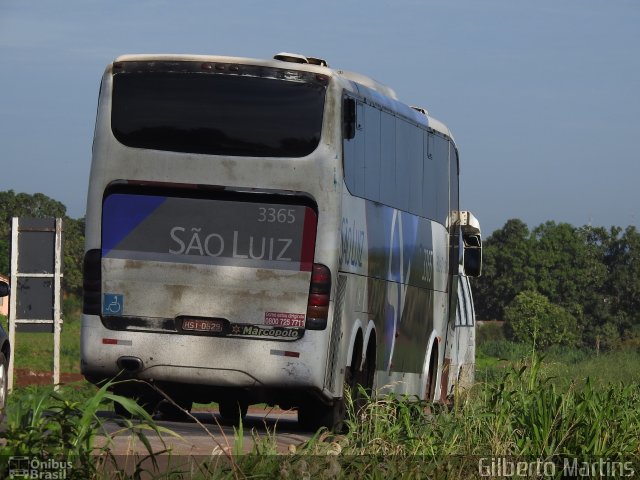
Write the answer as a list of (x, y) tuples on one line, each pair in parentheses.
[(175, 409), (144, 395), (232, 411), (358, 383)]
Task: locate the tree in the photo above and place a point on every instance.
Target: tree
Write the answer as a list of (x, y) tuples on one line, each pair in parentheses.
[(567, 268), (4, 256), (620, 296), (507, 269), (39, 205), (533, 319), (73, 251)]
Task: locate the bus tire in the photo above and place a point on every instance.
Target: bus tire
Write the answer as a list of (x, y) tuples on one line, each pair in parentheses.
[(147, 398), (148, 405), (313, 415), (176, 411), (4, 391), (358, 384), (232, 411), (430, 390), (361, 381)]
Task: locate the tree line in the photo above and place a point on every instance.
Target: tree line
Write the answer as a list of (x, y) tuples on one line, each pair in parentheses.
[(39, 205), (562, 284), (558, 283)]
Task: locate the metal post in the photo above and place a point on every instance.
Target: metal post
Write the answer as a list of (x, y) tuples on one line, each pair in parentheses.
[(57, 322), (55, 276), (12, 298)]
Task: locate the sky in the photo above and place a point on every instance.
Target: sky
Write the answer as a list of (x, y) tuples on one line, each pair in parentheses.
[(543, 98)]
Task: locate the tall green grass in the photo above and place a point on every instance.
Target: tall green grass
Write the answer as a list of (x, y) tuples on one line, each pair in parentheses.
[(34, 351), (523, 415), (563, 365), (569, 404), (63, 426)]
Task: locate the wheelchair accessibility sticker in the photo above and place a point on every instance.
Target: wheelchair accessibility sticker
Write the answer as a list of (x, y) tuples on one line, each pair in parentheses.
[(112, 304)]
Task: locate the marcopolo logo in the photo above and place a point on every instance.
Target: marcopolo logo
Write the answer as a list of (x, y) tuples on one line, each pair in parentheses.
[(256, 331), (37, 468)]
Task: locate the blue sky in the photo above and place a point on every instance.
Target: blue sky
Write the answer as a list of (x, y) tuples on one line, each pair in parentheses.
[(543, 97)]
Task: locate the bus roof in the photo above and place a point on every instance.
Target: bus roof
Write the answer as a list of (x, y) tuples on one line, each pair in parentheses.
[(355, 82)]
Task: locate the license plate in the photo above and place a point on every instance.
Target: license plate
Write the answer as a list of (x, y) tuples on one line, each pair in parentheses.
[(203, 325)]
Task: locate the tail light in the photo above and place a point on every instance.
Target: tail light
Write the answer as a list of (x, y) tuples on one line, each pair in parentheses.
[(92, 283), (318, 304)]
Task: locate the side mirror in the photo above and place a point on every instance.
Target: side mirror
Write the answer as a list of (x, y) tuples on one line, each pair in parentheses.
[(4, 289), (472, 241), (472, 255)]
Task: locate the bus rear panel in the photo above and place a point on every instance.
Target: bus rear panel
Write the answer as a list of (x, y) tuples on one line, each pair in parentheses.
[(195, 276)]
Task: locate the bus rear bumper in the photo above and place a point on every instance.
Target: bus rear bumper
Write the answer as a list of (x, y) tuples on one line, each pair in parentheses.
[(201, 360)]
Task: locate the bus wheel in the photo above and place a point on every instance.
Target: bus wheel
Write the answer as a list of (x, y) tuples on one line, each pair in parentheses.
[(360, 382), (143, 394), (430, 391), (313, 414), (3, 384), (430, 388), (178, 411), (147, 399), (232, 411)]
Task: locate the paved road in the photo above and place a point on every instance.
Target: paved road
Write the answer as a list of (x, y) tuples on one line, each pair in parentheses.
[(208, 436)]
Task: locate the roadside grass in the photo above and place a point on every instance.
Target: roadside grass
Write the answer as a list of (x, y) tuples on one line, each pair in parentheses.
[(34, 351), (618, 366), (525, 413), (562, 365), (523, 416), (60, 429), (560, 404)]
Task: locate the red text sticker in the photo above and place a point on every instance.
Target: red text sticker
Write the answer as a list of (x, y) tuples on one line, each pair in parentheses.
[(279, 319)]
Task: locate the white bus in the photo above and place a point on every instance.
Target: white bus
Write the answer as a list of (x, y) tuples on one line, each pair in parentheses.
[(269, 231)]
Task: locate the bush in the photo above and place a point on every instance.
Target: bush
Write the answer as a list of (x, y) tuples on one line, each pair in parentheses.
[(489, 331), (567, 355), (531, 318), (71, 307), (505, 349)]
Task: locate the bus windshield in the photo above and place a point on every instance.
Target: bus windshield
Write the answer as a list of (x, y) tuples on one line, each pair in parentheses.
[(250, 111)]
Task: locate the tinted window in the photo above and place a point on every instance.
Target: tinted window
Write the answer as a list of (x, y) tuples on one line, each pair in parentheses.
[(453, 178), (429, 182), (395, 162), (441, 160), (403, 172), (217, 114), (372, 154), (388, 159)]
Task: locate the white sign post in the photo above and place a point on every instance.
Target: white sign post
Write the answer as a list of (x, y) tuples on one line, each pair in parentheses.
[(36, 265)]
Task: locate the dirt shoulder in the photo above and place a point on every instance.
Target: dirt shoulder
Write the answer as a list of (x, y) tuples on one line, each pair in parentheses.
[(23, 377)]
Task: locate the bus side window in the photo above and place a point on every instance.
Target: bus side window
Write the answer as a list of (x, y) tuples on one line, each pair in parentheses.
[(403, 172), (354, 147), (416, 165), (428, 178), (349, 143), (349, 118), (349, 154), (441, 159), (388, 160), (457, 249), (372, 165)]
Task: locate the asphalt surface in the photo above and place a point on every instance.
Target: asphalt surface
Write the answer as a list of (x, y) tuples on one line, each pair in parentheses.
[(207, 436)]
